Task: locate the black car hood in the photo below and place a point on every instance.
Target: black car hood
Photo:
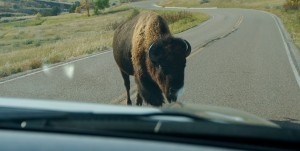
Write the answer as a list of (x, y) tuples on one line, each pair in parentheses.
[(211, 113)]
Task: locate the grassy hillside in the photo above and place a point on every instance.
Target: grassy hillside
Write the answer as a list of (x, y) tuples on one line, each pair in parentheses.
[(11, 8), (32, 41)]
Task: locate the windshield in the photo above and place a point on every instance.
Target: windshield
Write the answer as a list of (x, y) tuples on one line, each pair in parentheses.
[(209, 54)]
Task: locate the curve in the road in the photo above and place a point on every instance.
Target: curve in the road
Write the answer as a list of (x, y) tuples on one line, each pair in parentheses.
[(247, 70), (253, 70)]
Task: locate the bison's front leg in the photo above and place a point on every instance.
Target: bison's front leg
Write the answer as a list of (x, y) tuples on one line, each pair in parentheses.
[(127, 85), (139, 100), (149, 92)]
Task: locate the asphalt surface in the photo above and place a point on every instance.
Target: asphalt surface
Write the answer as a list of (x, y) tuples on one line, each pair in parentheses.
[(245, 65)]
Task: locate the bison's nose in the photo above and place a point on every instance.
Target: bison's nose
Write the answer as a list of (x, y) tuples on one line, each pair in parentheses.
[(172, 91), (172, 98), (172, 95)]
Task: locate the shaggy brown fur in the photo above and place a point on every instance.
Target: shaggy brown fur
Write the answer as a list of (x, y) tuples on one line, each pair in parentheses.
[(132, 44)]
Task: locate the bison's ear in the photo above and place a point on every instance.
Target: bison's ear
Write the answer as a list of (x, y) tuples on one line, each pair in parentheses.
[(155, 53), (188, 48)]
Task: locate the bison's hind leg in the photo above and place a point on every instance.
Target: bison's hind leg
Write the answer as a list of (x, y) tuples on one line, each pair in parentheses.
[(139, 100), (127, 85)]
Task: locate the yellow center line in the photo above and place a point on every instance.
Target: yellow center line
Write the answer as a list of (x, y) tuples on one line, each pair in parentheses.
[(194, 52), (240, 20)]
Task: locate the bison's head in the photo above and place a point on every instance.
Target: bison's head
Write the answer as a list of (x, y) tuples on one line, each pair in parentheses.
[(168, 59)]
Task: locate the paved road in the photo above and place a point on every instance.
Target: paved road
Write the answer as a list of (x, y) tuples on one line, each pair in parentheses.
[(246, 66)]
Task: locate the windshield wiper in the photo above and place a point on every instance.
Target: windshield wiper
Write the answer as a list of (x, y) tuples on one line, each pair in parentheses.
[(43, 119)]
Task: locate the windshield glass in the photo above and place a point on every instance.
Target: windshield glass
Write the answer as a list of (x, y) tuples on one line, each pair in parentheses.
[(207, 54)]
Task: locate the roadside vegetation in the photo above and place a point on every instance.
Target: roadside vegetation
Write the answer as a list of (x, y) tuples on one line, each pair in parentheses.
[(33, 41), (287, 10), (15, 8), (182, 20)]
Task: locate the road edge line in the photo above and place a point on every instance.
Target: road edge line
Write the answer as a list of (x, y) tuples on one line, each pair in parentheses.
[(53, 66), (290, 52)]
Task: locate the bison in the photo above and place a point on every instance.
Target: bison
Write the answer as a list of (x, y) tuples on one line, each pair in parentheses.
[(145, 48)]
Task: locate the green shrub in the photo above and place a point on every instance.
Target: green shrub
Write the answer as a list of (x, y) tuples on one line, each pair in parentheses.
[(74, 6), (4, 73), (57, 38), (51, 11), (78, 10), (38, 15), (298, 17), (28, 42), (37, 43), (291, 5), (16, 70)]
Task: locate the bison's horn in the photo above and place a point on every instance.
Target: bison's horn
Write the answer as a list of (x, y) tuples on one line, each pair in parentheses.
[(154, 53), (188, 48)]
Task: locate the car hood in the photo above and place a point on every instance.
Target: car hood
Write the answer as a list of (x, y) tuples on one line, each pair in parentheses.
[(211, 113)]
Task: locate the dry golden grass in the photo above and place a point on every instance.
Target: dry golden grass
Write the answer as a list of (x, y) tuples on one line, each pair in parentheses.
[(66, 36), (59, 38), (182, 20), (291, 21)]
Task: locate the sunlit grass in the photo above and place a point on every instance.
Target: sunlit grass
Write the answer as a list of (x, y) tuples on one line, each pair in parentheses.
[(182, 20), (291, 21), (30, 42), (57, 39)]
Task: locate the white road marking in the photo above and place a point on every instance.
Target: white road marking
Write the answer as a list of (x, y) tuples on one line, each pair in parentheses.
[(295, 71), (45, 69)]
